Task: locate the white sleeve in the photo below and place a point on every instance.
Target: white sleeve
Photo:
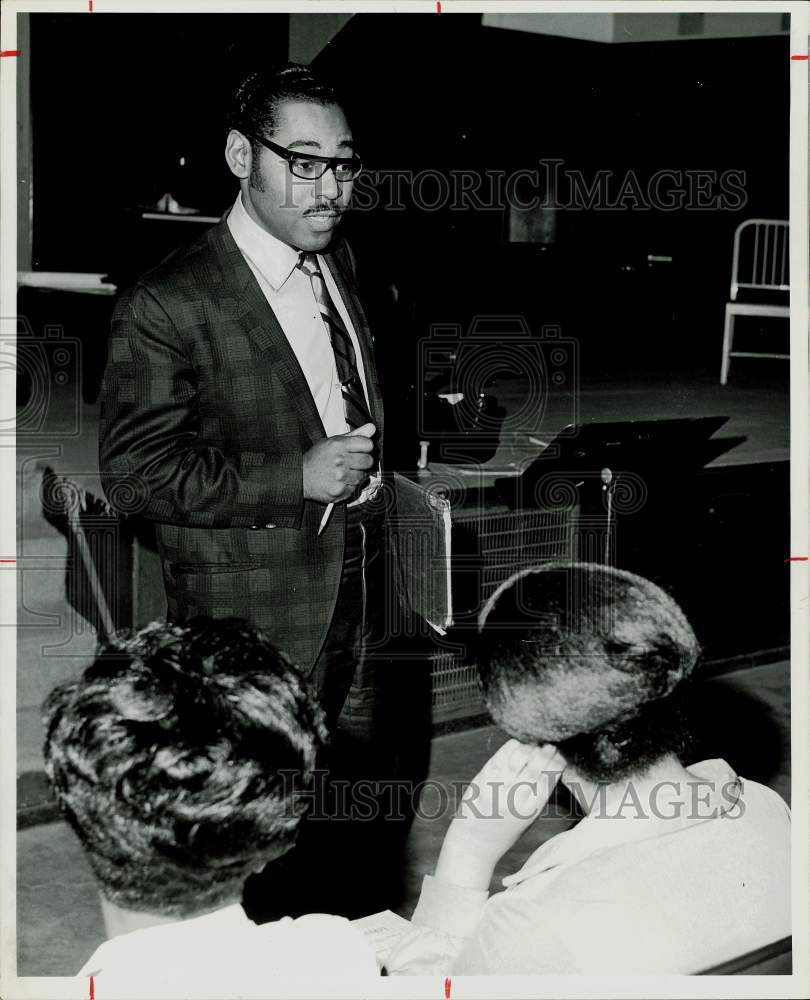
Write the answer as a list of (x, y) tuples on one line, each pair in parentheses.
[(445, 917), (319, 945)]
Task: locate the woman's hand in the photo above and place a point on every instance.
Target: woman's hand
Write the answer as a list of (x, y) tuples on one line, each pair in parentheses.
[(498, 806)]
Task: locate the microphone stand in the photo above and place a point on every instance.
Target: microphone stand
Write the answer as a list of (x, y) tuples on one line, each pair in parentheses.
[(608, 485)]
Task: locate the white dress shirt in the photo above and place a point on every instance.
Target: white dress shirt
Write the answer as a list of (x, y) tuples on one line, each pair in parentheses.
[(290, 295), (223, 954)]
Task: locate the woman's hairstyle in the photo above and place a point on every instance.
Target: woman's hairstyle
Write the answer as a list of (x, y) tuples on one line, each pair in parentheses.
[(254, 103), (177, 758), (589, 658)]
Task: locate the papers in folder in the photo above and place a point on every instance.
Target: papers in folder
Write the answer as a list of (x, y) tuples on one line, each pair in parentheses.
[(383, 930), (423, 532)]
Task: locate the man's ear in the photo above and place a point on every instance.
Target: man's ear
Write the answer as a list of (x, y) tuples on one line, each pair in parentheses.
[(238, 154)]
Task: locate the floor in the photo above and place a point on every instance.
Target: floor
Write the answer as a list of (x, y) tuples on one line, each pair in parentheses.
[(744, 716), (55, 643)]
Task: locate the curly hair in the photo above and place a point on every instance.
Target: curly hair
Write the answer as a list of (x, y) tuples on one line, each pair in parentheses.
[(169, 757), (590, 658)]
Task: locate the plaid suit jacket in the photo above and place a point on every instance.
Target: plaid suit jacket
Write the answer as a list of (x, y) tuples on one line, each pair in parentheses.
[(205, 419)]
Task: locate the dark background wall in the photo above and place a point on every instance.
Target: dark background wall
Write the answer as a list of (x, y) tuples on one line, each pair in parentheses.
[(452, 94), (118, 100)]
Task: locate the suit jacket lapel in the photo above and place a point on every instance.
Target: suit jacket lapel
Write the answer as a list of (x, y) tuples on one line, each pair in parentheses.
[(263, 326)]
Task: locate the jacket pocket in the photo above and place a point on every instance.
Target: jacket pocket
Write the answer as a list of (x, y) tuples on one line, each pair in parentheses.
[(209, 569)]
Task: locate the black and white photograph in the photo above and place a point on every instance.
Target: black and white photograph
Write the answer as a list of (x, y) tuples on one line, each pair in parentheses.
[(405, 527)]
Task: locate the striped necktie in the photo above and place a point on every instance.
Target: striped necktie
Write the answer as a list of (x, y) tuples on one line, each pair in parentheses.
[(354, 398)]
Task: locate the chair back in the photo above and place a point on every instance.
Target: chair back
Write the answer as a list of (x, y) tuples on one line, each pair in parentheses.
[(774, 959), (760, 256)]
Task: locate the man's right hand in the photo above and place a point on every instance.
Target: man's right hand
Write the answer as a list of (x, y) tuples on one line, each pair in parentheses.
[(335, 466)]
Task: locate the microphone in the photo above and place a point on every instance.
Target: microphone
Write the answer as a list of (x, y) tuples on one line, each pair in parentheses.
[(606, 475), (422, 462)]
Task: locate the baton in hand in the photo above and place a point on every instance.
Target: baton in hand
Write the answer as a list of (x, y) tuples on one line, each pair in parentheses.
[(330, 506)]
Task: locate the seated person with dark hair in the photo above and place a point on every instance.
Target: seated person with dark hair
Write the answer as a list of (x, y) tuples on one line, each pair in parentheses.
[(673, 869), (178, 758)]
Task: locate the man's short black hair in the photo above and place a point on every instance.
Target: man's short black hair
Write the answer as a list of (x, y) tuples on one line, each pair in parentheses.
[(168, 759), (589, 658), (255, 101)]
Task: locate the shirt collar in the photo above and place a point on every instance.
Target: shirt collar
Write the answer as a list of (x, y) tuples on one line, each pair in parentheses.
[(721, 794), (274, 260)]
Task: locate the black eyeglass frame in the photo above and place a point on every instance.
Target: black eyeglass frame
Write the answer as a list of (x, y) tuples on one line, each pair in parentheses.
[(330, 162)]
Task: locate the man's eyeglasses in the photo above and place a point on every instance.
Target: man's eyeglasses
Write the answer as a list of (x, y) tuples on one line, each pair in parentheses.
[(311, 168)]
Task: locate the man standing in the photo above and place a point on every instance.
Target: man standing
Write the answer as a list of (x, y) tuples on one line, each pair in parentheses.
[(241, 403)]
